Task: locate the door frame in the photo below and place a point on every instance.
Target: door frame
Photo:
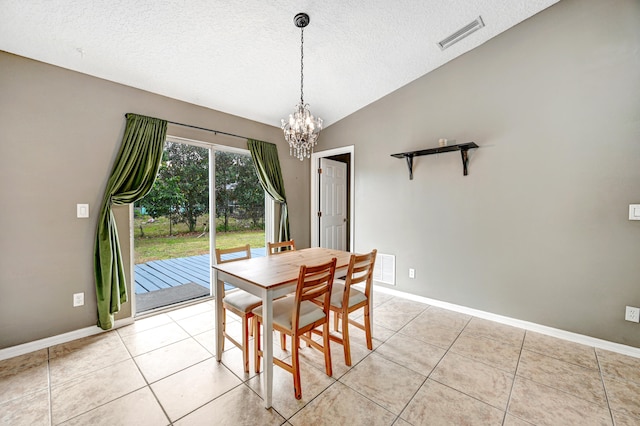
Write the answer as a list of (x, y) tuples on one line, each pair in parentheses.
[(315, 192)]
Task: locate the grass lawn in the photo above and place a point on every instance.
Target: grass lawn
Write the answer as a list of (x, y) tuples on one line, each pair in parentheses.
[(157, 244), (160, 248)]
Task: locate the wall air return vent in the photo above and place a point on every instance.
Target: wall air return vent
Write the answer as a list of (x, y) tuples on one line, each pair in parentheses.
[(461, 33), (384, 270)]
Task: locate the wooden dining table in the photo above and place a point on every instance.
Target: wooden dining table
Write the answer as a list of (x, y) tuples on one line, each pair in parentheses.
[(269, 278)]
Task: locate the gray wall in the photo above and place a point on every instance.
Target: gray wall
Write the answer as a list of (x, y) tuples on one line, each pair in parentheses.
[(539, 229), (59, 134)]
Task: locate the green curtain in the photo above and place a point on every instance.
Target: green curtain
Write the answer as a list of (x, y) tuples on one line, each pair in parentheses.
[(132, 177), (267, 164)]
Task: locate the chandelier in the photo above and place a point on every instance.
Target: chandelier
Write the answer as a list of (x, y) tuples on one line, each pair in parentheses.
[(302, 129)]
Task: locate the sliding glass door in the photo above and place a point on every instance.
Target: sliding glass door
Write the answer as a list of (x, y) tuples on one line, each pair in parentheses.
[(204, 196)]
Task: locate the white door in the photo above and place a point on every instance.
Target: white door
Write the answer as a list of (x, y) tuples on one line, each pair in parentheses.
[(333, 204)]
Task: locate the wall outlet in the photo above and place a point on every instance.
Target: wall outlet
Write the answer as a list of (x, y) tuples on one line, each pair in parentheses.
[(412, 273), (78, 299), (632, 314)]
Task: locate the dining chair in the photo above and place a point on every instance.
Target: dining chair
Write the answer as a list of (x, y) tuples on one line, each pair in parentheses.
[(346, 299), (297, 315), (281, 247), (239, 302)]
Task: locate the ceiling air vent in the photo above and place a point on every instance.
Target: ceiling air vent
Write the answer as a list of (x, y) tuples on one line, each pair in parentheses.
[(461, 33)]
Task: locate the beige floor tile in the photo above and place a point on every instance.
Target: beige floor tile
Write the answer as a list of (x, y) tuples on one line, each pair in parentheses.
[(624, 397), (12, 366), (170, 359), (187, 390), (395, 313), (29, 410), (412, 353), (384, 382), (341, 405), (22, 375), (434, 334), (492, 352), (84, 356), (198, 323), (436, 404), (481, 381), (232, 359), (191, 310), (564, 350), (444, 318), (619, 366), (496, 331), (557, 382), (392, 318), (510, 420), (621, 419), (579, 381), (241, 406), (85, 393), (542, 405), (157, 337), (339, 368), (144, 324), (405, 305), (379, 334), (378, 298), (139, 408), (208, 340), (313, 382)]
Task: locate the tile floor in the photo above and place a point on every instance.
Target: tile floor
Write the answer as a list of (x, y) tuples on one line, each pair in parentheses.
[(429, 366)]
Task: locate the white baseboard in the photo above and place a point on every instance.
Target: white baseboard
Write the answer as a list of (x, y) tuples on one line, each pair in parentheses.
[(58, 339), (542, 329)]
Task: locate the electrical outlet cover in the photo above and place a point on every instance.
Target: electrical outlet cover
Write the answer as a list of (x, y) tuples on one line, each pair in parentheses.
[(632, 314), (78, 299)]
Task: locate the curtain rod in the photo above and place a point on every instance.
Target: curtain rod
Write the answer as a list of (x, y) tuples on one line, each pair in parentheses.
[(208, 130), (205, 129)]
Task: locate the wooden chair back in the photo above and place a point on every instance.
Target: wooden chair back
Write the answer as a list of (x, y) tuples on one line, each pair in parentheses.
[(281, 247), (314, 283), (360, 270), (246, 250)]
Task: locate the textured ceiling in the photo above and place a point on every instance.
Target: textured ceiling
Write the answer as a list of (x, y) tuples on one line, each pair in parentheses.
[(243, 57)]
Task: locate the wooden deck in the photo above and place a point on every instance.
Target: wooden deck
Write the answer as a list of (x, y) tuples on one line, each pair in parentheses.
[(162, 274)]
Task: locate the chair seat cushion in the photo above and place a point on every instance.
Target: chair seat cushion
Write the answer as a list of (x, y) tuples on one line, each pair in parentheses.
[(283, 311), (242, 301), (337, 293)]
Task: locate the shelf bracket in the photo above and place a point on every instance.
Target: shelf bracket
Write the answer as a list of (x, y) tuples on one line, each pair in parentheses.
[(464, 152), (409, 159)]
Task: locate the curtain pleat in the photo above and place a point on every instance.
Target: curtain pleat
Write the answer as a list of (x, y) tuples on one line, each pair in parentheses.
[(132, 177), (267, 165)]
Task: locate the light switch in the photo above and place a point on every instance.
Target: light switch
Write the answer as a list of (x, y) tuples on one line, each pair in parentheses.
[(634, 211), (83, 210)]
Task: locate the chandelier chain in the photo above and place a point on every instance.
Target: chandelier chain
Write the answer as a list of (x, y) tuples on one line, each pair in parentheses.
[(302, 65)]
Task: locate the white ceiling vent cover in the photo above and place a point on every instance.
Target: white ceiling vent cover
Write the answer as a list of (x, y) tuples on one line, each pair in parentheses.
[(462, 33), (384, 270)]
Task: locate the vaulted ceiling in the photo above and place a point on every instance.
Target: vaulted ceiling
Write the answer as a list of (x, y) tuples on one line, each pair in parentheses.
[(243, 57)]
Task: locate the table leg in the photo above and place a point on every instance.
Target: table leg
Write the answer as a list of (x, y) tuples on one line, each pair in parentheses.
[(219, 286), (267, 346)]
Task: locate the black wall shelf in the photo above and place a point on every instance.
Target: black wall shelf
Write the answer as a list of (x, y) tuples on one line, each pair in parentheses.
[(462, 147)]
